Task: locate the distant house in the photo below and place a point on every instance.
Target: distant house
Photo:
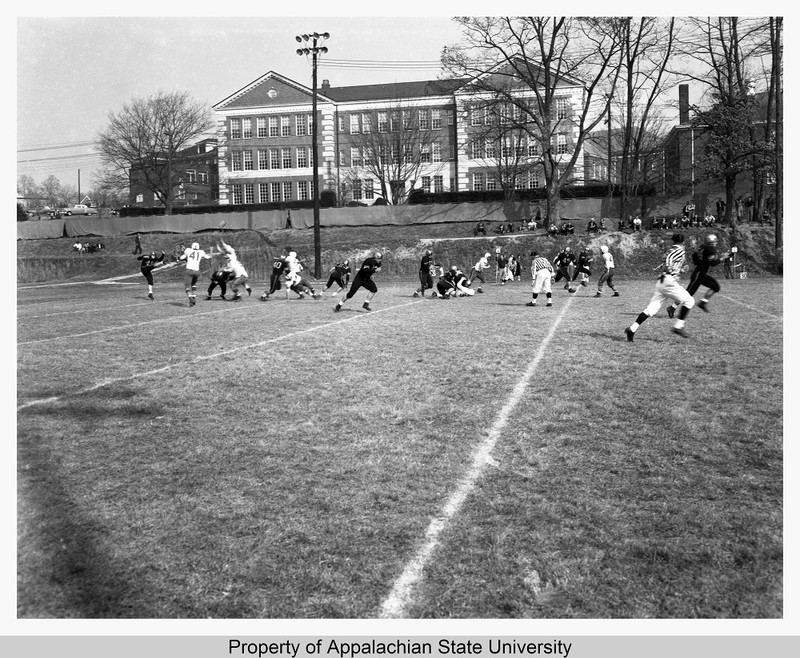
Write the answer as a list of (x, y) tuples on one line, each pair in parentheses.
[(196, 167)]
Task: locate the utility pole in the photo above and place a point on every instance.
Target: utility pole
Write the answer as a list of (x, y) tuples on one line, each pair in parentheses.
[(778, 72), (610, 182), (79, 186), (315, 51)]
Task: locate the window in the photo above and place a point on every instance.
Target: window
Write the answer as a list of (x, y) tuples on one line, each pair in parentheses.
[(261, 126), (477, 149), (236, 128), (562, 108), (395, 122), (287, 191), (424, 121), (140, 198), (301, 124), (384, 154), (561, 144), (355, 157), (383, 122), (341, 123), (395, 156), (237, 193), (236, 160), (274, 159), (263, 192), (356, 190), (302, 157), (438, 184), (354, 123), (247, 128), (533, 148), (286, 126), (489, 117), (369, 156), (369, 191), (425, 153), (342, 162), (478, 181), (302, 190), (366, 124), (273, 127), (286, 158), (450, 118), (275, 192), (248, 193), (426, 184), (491, 183), (408, 122), (436, 152), (191, 176), (506, 149), (248, 160), (436, 119), (203, 178), (534, 180), (490, 148), (476, 115), (263, 159)]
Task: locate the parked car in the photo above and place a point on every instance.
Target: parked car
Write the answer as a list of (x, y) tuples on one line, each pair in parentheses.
[(79, 209)]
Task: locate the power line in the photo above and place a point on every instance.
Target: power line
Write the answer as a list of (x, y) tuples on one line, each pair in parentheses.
[(53, 147)]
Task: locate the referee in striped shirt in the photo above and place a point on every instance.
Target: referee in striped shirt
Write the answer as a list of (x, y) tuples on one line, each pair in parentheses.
[(668, 288), (542, 274)]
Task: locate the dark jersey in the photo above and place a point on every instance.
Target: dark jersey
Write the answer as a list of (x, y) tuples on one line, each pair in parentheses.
[(501, 262), (223, 275), (340, 270), (278, 265), (425, 263), (563, 259), (369, 267), (705, 258), (149, 262), (584, 259)]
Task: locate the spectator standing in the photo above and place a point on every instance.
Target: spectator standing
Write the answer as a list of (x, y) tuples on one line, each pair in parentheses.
[(137, 245), (668, 288)]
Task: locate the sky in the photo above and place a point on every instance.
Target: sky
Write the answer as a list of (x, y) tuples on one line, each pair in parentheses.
[(73, 71)]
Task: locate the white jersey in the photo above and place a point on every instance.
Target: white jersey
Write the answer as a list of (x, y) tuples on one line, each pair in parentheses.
[(482, 264), (609, 259), (233, 262), (193, 258)]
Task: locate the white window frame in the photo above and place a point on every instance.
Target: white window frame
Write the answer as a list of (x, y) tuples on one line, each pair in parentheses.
[(236, 193), (247, 160), (436, 119), (438, 184), (236, 161), (263, 158), (248, 193), (287, 190), (286, 126), (355, 124), (247, 128), (383, 122), (274, 129), (286, 157), (366, 123), (236, 128), (263, 192), (274, 158), (478, 181), (261, 127)]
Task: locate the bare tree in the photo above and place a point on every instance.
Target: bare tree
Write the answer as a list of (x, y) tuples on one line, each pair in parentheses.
[(142, 140), (393, 147), (527, 62), (729, 50), (648, 45)]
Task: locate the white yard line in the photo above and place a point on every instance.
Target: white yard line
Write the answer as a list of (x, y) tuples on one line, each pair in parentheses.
[(396, 604), (752, 308), (205, 357), (92, 309)]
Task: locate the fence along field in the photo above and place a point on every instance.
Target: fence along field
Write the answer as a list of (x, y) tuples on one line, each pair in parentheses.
[(274, 460)]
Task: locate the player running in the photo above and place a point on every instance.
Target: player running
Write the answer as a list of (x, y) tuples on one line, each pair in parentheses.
[(363, 279), (607, 276), (703, 260), (193, 257), (667, 287), (339, 275), (220, 278), (582, 267), (564, 262), (478, 269)]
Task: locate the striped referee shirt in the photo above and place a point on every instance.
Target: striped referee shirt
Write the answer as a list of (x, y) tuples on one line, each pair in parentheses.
[(540, 263), (673, 263)]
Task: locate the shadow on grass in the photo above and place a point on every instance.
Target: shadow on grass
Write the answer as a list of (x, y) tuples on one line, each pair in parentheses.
[(64, 569)]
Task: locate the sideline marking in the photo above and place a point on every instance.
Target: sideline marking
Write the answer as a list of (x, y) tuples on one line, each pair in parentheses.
[(398, 600), (752, 308), (108, 382)]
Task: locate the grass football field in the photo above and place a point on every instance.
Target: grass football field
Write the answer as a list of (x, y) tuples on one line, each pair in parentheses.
[(467, 458)]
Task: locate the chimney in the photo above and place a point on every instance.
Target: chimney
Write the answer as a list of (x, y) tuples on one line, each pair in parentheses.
[(683, 104), (326, 84)]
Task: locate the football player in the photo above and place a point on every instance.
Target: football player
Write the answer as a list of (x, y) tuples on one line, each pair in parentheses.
[(564, 262), (240, 274), (363, 279), (703, 260), (478, 269), (582, 267), (425, 276), (339, 275), (220, 278), (607, 276), (148, 263), (193, 257)]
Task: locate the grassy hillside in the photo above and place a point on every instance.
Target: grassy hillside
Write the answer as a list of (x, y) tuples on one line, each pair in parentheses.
[(636, 254)]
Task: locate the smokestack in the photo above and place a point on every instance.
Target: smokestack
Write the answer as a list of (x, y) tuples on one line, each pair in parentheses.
[(326, 84), (683, 104)]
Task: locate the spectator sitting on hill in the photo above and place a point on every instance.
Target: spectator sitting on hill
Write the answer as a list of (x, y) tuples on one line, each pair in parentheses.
[(637, 223), (621, 225), (709, 219), (479, 228), (553, 230), (675, 223), (592, 226), (501, 228), (602, 223), (511, 227), (77, 247)]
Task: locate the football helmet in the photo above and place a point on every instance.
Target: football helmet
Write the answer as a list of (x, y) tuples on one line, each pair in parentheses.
[(604, 248), (711, 240), (428, 252), (378, 255), (195, 245)]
